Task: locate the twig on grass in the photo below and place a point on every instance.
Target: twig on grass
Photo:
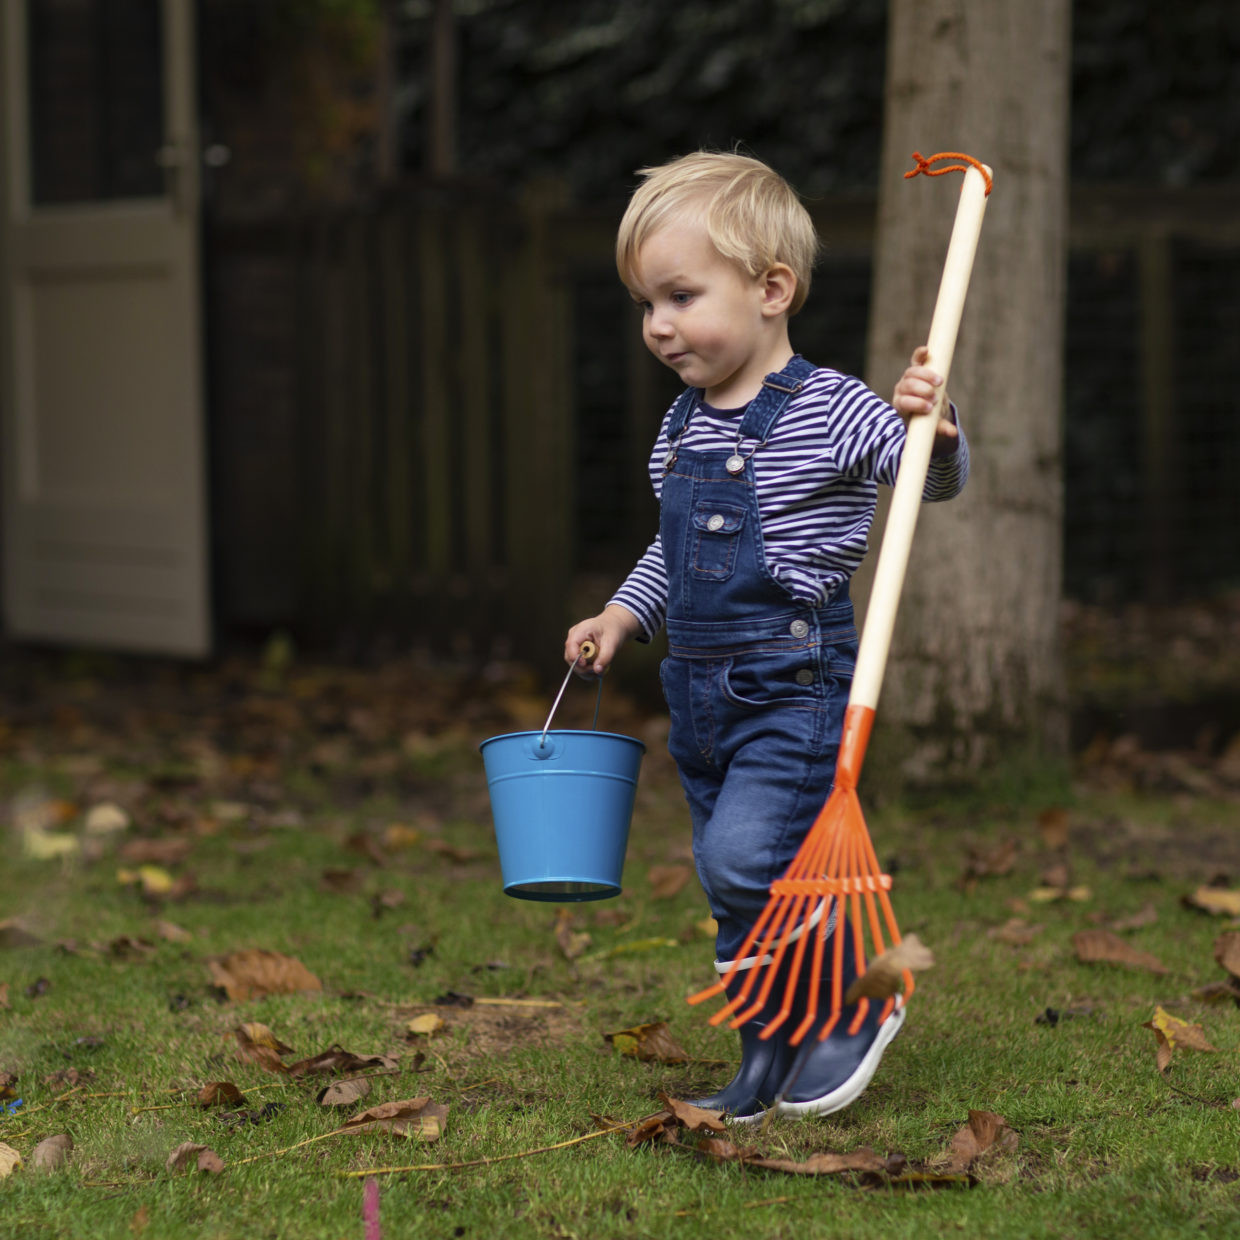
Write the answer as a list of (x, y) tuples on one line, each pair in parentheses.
[(486, 1162)]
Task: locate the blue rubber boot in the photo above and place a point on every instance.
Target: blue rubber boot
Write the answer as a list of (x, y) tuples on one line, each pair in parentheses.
[(829, 1075), (765, 1064)]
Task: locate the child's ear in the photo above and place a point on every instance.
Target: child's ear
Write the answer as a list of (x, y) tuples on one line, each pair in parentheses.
[(779, 287)]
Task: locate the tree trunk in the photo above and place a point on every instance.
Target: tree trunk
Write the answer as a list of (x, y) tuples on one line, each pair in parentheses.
[(974, 678)]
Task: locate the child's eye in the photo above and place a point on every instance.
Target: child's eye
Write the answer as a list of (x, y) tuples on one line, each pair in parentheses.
[(644, 306), (681, 299)]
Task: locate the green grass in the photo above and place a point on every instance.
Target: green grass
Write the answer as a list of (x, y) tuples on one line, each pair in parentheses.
[(1107, 1145)]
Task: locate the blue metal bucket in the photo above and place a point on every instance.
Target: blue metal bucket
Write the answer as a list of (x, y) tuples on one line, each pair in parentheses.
[(562, 803)]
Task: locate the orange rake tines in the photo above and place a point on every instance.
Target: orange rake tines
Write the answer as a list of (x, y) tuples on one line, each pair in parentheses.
[(836, 873)]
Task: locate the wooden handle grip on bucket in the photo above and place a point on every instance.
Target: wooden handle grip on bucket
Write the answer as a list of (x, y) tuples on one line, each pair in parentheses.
[(588, 651)]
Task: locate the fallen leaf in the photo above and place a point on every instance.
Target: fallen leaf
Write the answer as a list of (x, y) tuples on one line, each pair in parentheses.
[(1173, 1033), (154, 880), (425, 1025), (1220, 901), (1045, 895), (126, 947), (1103, 947), (220, 1093), (52, 1152), (10, 1160), (262, 1050), (344, 1093), (8, 1085), (652, 1043), (140, 1221), (255, 972), (188, 1154), (398, 836), (572, 942), (258, 1034), (157, 853), (453, 852), (992, 862), (415, 1117), (1015, 931), (863, 1159), (985, 1131), (69, 1076), (47, 845), (4, 997), (1053, 827), (667, 881), (1147, 915), (171, 932), (14, 934), (339, 1061), (1219, 992), (885, 974), (105, 818), (1227, 952)]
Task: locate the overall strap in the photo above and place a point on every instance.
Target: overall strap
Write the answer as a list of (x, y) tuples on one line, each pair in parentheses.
[(685, 404), (777, 390)]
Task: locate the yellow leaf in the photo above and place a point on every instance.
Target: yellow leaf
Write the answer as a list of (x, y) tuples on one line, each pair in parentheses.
[(652, 1042), (10, 1160), (1172, 1032), (425, 1025), (105, 818), (1222, 901), (45, 845)]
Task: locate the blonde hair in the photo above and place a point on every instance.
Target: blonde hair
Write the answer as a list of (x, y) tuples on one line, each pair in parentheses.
[(752, 216)]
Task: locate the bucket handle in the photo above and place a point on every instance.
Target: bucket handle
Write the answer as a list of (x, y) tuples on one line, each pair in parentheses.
[(588, 651)]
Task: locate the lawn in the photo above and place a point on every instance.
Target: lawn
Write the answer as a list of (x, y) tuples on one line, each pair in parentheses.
[(159, 822)]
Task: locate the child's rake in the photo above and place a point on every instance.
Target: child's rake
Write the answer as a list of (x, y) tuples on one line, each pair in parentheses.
[(836, 873)]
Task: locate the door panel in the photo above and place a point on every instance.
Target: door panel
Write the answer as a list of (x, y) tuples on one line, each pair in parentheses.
[(104, 487)]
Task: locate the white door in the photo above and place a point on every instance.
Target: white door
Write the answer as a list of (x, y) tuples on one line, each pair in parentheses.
[(104, 509)]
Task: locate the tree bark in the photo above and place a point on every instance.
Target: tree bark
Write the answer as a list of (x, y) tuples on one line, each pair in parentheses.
[(975, 678)]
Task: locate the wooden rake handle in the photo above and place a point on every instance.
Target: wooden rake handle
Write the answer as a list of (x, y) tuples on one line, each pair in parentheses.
[(893, 556)]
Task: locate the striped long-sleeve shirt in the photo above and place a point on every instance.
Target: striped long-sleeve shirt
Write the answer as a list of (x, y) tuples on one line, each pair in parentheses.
[(816, 482)]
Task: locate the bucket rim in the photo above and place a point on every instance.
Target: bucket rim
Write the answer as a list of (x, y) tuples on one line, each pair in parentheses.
[(592, 732)]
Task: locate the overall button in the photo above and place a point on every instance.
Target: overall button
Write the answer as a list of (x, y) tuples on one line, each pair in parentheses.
[(805, 676), (715, 523), (799, 628)]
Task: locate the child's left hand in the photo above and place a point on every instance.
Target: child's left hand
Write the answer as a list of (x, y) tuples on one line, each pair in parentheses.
[(917, 393)]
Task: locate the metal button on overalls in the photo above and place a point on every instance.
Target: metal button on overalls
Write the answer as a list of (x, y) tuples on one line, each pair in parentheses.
[(805, 676), (799, 628), (715, 523)]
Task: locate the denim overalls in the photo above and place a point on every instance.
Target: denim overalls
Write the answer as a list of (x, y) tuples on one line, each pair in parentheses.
[(756, 681)]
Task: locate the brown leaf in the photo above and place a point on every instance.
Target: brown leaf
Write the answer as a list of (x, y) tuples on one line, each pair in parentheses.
[(863, 1159), (572, 942), (253, 973), (126, 947), (694, 1118), (1016, 931), (52, 1152), (187, 1155), (344, 1093), (4, 997), (220, 1093), (1219, 901), (992, 862), (339, 1061), (885, 974), (14, 934), (68, 1076), (8, 1083), (257, 1044), (1147, 915), (171, 932), (414, 1117), (1227, 952), (1103, 947), (667, 881), (163, 852), (984, 1131), (1173, 1033), (649, 1043), (1219, 992), (1053, 827)]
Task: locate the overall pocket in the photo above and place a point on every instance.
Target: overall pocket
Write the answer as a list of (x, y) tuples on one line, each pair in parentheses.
[(716, 538)]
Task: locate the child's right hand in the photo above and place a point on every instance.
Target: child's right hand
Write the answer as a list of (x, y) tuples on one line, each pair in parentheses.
[(609, 630)]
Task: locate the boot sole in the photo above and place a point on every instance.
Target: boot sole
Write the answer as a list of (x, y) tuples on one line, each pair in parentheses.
[(846, 1094)]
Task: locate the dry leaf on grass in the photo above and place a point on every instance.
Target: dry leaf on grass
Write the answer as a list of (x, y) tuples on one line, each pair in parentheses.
[(338, 1060), (1147, 915), (10, 1160), (1016, 931), (1053, 827), (424, 1025), (572, 942), (8, 1085), (1219, 901), (662, 1127), (652, 1043), (667, 881), (219, 1094), (187, 1155), (254, 973), (863, 1159), (14, 934), (418, 1118), (885, 975), (1172, 1034), (1227, 951), (985, 1131), (1103, 947), (4, 997), (52, 1152), (257, 1044), (344, 1093)]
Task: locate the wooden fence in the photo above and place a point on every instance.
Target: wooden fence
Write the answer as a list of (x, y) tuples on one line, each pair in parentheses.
[(443, 411)]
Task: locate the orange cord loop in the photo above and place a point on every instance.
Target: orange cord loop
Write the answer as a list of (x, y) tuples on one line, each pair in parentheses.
[(923, 165)]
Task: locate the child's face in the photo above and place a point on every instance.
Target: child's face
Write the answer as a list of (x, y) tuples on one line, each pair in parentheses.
[(702, 315)]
